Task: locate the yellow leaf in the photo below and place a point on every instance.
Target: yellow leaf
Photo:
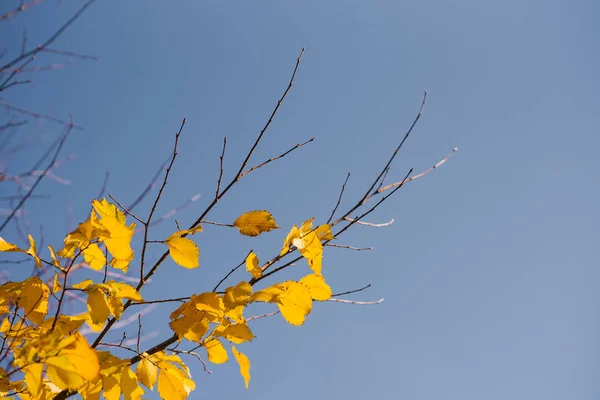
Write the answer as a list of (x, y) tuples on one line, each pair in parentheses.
[(118, 241), (33, 378), (295, 302), (115, 305), (319, 290), (184, 252), (238, 333), (324, 232), (75, 364), (83, 285), (237, 295), (211, 304), (253, 223), (215, 351), (236, 314), (190, 328), (147, 371), (268, 295), (129, 385), (252, 265), (56, 286), (91, 390), (311, 248), (32, 251), (173, 384), (94, 257), (112, 387), (244, 363), (54, 259), (5, 246), (306, 226), (34, 299), (293, 234), (125, 291), (97, 305)]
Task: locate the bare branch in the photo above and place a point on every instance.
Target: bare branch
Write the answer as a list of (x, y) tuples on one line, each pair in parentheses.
[(351, 291), (231, 272), (341, 246), (298, 145), (339, 198), (371, 224), (221, 168), (37, 182), (19, 9), (362, 303)]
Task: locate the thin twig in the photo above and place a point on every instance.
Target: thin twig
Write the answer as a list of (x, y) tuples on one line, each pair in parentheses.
[(362, 303), (262, 164), (341, 246), (262, 316), (19, 9), (422, 174), (351, 291), (231, 272), (126, 210), (339, 198), (221, 168), (372, 224), (39, 179)]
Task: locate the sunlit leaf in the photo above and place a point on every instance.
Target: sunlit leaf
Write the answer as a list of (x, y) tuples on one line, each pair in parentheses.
[(129, 385), (236, 333), (295, 302), (215, 351), (323, 232), (294, 233), (244, 364), (75, 364), (147, 371), (56, 285), (184, 252), (252, 265), (33, 378), (94, 257), (319, 290), (253, 223)]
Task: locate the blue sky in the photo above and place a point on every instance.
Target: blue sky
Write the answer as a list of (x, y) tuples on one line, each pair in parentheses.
[(488, 272)]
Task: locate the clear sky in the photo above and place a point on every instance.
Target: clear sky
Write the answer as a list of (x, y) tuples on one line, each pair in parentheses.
[(489, 272)]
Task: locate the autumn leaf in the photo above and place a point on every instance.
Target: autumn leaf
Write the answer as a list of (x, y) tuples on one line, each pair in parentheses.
[(174, 381), (237, 295), (294, 233), (184, 252), (33, 378), (215, 351), (323, 232), (311, 248), (253, 223), (129, 385), (75, 364), (56, 286), (252, 265), (94, 257), (244, 364), (292, 298), (236, 333), (186, 232), (147, 371), (6, 246), (319, 290), (33, 298)]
